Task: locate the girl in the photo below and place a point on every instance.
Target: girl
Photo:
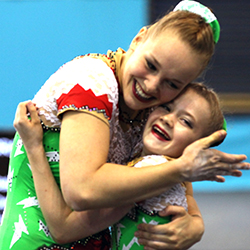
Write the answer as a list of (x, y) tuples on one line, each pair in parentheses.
[(97, 105), (170, 128)]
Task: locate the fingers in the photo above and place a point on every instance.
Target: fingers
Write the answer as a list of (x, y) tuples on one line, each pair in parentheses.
[(26, 117), (174, 211), (232, 168), (217, 137), (25, 108), (225, 157), (154, 237), (213, 139), (21, 113), (32, 109)]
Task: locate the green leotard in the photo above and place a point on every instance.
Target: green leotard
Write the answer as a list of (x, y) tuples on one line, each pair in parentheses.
[(24, 227), (123, 232)]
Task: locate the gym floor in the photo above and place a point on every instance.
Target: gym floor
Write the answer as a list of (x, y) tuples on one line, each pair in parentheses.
[(227, 221)]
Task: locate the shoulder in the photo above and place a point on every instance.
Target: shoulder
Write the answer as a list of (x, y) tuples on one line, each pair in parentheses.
[(150, 160), (76, 84), (86, 72), (84, 67)]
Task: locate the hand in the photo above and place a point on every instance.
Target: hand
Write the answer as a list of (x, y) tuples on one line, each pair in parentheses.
[(30, 130), (181, 233), (203, 163)]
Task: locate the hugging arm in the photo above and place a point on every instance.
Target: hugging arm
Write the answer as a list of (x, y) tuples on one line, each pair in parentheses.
[(184, 230), (32, 138), (84, 145), (64, 224), (100, 184)]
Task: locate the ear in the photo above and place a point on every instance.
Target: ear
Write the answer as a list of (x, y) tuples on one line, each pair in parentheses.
[(139, 37)]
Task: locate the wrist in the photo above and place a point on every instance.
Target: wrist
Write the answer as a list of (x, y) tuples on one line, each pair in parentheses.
[(184, 167), (199, 225), (35, 150)]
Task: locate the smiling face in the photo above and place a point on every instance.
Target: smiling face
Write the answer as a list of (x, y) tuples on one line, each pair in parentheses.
[(172, 127), (155, 71)]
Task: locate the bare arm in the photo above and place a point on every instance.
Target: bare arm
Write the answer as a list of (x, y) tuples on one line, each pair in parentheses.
[(64, 224), (33, 143), (100, 184), (185, 229), (84, 145)]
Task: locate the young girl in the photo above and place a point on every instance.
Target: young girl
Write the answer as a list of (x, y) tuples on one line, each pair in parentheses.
[(97, 105), (170, 128)]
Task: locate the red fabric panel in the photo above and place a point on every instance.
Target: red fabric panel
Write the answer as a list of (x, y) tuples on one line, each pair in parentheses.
[(80, 97)]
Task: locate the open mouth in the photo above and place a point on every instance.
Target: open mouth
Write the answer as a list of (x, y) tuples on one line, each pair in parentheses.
[(160, 134), (140, 94)]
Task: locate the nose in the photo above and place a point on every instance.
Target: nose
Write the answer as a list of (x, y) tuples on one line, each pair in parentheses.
[(152, 84), (168, 119)]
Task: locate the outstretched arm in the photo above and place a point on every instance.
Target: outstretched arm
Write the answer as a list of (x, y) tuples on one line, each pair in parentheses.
[(100, 184), (84, 146), (149, 183), (64, 224)]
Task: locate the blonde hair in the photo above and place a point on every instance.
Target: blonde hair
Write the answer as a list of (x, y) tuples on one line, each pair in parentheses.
[(216, 120), (191, 28)]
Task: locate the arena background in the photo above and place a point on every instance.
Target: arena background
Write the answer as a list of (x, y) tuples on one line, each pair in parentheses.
[(38, 36)]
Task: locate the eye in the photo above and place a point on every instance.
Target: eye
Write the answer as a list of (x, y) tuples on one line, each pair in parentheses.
[(187, 122), (172, 85), (151, 65), (166, 107)]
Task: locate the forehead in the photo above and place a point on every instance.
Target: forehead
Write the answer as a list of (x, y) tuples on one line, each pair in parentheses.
[(191, 99), (175, 57), (194, 104)]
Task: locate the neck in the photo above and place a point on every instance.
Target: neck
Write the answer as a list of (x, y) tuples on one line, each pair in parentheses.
[(129, 118), (124, 109)]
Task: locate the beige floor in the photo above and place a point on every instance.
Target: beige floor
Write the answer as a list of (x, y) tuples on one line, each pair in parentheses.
[(227, 221)]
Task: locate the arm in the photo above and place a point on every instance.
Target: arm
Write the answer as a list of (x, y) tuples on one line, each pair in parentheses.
[(64, 224), (99, 184), (185, 229), (102, 182), (33, 144)]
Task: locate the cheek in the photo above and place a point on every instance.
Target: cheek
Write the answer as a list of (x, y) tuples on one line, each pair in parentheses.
[(136, 66), (184, 139), (138, 70)]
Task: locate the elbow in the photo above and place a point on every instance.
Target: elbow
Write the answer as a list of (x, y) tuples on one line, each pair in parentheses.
[(60, 240), (77, 200), (61, 236)]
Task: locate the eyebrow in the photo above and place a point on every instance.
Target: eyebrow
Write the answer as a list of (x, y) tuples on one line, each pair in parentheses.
[(155, 61), (159, 65), (184, 110), (190, 115)]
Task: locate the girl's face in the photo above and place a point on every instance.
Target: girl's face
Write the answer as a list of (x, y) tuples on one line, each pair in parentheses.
[(156, 70), (173, 126)]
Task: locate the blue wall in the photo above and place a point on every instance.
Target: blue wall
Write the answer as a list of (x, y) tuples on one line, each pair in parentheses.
[(36, 37), (236, 142)]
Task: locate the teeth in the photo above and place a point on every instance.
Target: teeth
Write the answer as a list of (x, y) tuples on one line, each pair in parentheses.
[(159, 131), (140, 92)]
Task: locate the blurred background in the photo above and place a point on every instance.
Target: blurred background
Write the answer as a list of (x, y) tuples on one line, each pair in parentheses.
[(38, 36)]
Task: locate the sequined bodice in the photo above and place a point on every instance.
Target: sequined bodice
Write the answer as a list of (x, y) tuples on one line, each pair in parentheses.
[(91, 75)]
